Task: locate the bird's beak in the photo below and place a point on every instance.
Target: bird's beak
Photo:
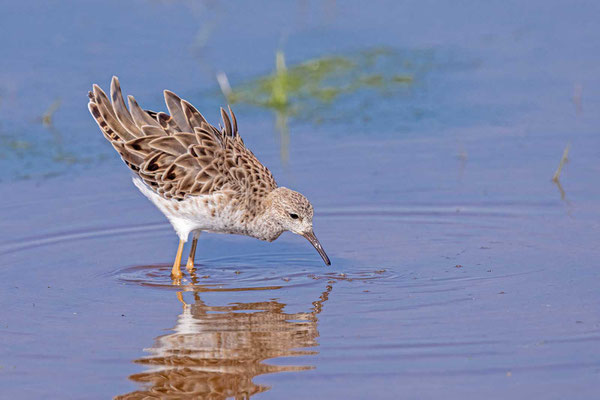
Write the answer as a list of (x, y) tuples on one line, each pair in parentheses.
[(310, 236)]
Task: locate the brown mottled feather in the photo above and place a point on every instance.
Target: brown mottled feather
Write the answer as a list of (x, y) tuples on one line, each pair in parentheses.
[(120, 109), (175, 109), (167, 123), (154, 130), (141, 117), (180, 155)]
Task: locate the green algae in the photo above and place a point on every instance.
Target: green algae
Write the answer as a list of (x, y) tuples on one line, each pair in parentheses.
[(321, 81), (327, 88)]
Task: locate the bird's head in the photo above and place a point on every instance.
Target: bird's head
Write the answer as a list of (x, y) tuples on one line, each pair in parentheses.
[(291, 211)]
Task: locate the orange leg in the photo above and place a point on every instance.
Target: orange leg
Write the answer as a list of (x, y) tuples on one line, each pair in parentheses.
[(190, 262), (176, 271)]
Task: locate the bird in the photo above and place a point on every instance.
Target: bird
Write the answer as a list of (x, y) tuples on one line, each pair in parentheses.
[(202, 178)]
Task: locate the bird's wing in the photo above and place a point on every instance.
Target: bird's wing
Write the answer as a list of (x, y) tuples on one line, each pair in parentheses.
[(180, 154)]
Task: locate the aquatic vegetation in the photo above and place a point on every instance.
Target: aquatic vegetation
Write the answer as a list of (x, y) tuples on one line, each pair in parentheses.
[(563, 160), (319, 82), (14, 152), (47, 116), (326, 88), (39, 146), (344, 89), (17, 145)]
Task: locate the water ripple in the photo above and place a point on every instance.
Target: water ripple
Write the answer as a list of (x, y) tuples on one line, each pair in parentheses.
[(250, 272)]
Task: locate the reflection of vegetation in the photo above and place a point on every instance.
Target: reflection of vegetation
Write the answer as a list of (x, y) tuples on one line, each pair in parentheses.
[(215, 352), (281, 124), (577, 92)]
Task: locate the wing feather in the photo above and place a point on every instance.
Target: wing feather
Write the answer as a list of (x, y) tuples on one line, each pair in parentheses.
[(174, 105), (121, 110), (107, 114), (141, 117), (168, 144), (180, 154)]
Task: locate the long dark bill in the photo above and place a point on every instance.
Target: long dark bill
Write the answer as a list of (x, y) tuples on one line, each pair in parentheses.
[(310, 236)]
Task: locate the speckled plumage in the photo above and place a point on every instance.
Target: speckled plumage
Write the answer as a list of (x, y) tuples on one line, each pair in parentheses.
[(202, 178)]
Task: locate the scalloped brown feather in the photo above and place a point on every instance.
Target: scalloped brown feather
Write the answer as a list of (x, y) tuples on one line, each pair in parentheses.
[(180, 154)]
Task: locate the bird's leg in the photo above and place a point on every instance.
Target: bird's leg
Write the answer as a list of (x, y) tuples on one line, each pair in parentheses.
[(190, 262), (176, 271)]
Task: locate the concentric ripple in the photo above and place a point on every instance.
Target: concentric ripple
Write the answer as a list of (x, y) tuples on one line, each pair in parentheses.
[(253, 272)]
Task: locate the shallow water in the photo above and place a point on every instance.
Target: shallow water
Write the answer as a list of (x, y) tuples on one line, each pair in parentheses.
[(459, 269)]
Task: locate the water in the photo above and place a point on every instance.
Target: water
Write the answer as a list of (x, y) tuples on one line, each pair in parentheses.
[(459, 269)]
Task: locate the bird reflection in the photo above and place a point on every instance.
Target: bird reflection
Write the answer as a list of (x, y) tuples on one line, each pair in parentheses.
[(215, 352)]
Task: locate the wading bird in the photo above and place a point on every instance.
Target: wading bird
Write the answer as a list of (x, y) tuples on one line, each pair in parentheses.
[(200, 177)]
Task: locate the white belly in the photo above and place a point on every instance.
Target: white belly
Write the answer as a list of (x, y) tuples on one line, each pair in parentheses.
[(209, 213)]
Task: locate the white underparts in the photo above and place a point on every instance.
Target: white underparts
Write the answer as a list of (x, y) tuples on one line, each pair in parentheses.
[(209, 213)]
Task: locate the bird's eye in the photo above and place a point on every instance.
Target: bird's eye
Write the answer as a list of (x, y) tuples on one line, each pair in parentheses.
[(293, 216)]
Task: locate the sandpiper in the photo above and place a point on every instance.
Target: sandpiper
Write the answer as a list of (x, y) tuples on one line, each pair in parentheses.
[(200, 177)]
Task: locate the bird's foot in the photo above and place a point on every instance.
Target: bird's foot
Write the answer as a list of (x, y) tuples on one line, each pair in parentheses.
[(190, 265)]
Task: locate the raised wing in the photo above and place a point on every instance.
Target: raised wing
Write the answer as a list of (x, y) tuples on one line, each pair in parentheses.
[(180, 154)]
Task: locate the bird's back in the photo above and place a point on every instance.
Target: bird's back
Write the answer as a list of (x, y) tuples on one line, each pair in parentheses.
[(181, 155)]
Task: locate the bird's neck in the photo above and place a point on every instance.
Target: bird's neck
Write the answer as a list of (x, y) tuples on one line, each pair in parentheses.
[(264, 225)]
